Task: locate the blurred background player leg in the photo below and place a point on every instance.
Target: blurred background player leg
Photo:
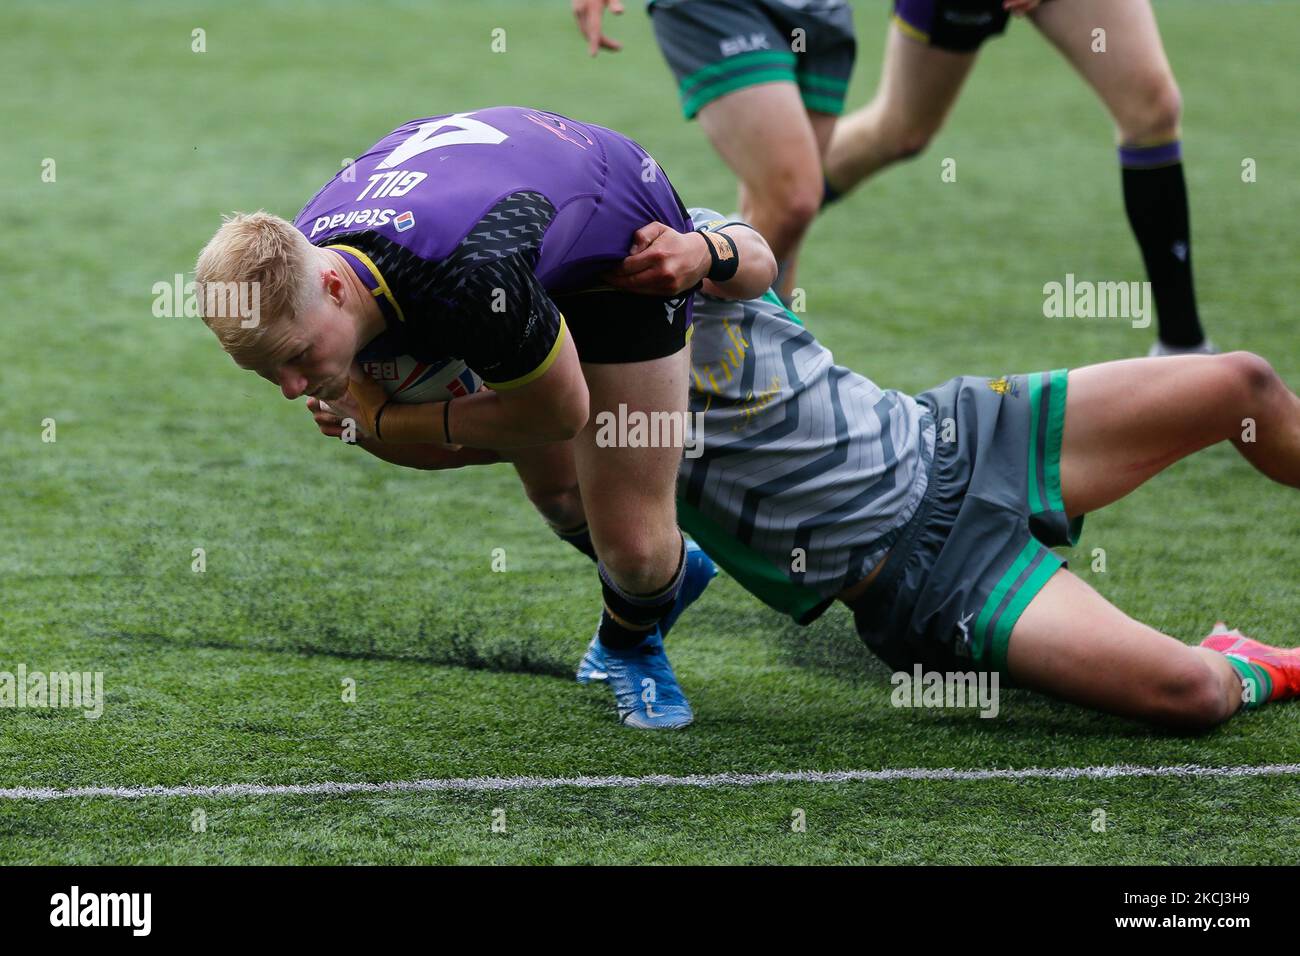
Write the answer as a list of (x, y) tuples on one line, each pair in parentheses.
[(778, 162), (919, 84), (1132, 76), (767, 81)]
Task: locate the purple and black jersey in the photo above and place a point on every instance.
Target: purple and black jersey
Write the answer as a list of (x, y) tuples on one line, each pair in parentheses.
[(466, 226)]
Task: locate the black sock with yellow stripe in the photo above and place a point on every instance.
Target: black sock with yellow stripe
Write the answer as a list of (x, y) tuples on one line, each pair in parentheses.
[(638, 614)]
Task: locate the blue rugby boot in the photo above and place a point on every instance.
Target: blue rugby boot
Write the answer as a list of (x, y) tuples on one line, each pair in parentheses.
[(592, 666), (645, 688)]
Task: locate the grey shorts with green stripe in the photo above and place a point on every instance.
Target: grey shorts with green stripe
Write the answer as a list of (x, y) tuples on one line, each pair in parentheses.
[(715, 47), (976, 552)]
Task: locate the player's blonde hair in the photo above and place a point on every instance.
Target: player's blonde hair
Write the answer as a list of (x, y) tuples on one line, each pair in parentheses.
[(252, 278)]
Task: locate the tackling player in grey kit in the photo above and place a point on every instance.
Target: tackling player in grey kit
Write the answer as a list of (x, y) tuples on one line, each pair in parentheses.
[(933, 516)]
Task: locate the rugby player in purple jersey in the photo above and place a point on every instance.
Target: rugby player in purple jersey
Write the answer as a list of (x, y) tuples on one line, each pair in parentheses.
[(555, 258)]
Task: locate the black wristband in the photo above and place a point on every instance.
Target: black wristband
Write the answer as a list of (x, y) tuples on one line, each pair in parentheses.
[(724, 261), (446, 421), (378, 415)]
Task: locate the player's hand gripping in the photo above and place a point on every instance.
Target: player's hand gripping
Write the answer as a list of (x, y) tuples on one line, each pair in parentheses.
[(360, 403), (327, 420), (662, 262), (588, 14)]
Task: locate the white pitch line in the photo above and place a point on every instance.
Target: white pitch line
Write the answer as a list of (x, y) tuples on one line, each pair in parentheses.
[(334, 789)]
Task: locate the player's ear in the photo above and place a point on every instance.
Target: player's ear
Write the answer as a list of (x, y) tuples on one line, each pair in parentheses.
[(332, 285)]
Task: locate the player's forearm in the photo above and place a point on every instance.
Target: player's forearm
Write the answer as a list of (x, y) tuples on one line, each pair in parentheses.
[(482, 420), (492, 419), (756, 270), (429, 457)]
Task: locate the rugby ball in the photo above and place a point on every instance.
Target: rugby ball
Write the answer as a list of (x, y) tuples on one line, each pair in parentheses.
[(411, 382)]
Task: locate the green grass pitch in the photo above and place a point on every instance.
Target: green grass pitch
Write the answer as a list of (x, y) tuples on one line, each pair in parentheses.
[(325, 565)]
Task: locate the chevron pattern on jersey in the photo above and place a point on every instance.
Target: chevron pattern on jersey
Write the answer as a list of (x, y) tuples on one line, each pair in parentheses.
[(512, 229), (515, 224), (805, 462), (483, 303)]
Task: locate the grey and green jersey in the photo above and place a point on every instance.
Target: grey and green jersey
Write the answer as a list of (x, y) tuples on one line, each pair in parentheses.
[(807, 470)]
